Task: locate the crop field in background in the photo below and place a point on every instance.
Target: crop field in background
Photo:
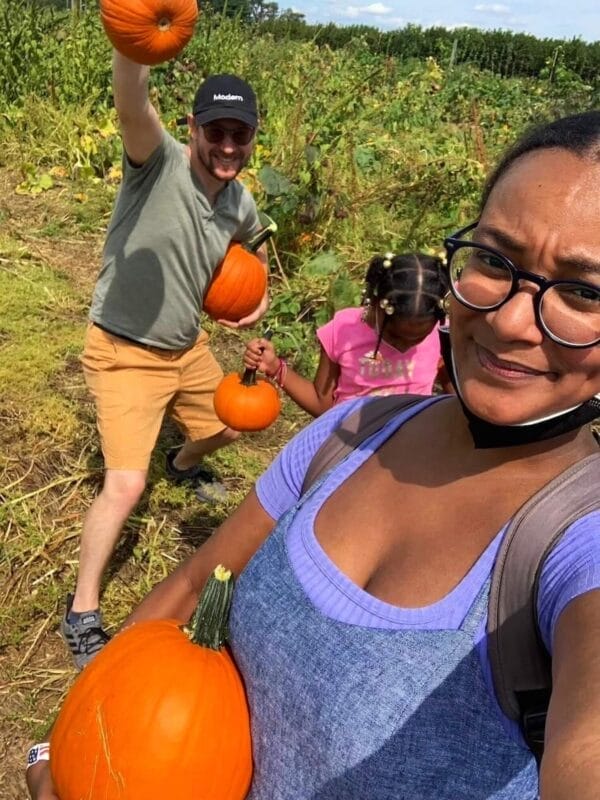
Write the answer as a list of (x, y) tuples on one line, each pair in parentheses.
[(358, 154)]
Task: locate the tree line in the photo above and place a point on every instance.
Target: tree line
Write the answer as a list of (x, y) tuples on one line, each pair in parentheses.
[(501, 51)]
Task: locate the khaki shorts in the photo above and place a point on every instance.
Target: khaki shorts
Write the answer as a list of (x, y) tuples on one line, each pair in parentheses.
[(135, 385)]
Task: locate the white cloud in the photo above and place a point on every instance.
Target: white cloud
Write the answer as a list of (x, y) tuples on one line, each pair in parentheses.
[(377, 8), (584, 23), (452, 26), (493, 8)]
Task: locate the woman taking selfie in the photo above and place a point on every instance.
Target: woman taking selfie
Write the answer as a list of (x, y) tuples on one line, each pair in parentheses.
[(360, 611)]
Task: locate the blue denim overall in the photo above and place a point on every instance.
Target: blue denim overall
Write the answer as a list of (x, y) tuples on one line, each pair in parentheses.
[(345, 712)]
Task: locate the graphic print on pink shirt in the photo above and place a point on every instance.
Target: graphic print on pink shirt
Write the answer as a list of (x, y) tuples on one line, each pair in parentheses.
[(350, 342)]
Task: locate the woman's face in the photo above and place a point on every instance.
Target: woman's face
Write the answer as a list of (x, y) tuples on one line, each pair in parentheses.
[(544, 216)]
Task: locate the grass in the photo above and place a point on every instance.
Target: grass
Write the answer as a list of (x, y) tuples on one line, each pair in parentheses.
[(50, 466)]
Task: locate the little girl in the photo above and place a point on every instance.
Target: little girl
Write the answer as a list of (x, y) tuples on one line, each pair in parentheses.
[(388, 346)]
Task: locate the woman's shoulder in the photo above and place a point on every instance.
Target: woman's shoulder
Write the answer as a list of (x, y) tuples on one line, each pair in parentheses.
[(314, 434), (571, 569), (280, 486)]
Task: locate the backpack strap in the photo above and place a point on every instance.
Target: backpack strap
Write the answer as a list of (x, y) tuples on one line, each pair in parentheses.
[(354, 430), (521, 665)]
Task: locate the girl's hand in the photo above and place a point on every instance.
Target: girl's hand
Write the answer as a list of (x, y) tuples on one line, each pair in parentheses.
[(260, 354)]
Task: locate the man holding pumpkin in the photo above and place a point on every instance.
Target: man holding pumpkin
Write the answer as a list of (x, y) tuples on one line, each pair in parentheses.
[(178, 210)]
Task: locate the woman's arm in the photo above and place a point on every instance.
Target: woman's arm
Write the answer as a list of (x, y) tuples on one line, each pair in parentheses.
[(571, 763), (39, 782), (233, 544)]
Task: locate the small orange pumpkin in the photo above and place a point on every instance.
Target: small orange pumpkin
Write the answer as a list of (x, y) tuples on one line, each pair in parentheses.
[(245, 403), (156, 715), (149, 31), (239, 282)]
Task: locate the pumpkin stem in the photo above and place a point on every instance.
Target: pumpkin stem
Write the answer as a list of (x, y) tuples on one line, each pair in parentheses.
[(209, 624), (249, 377), (164, 24), (253, 244)]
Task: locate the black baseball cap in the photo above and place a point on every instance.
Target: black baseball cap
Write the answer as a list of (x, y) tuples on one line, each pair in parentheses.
[(225, 97)]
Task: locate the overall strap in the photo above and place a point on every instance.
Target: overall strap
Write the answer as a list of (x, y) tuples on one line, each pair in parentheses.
[(354, 430), (521, 666)]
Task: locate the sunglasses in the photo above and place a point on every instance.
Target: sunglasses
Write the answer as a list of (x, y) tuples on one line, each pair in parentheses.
[(215, 134)]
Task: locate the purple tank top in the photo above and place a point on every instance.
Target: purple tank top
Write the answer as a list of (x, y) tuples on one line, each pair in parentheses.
[(571, 569)]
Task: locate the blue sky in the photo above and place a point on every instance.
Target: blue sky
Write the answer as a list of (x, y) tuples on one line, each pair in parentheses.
[(554, 18)]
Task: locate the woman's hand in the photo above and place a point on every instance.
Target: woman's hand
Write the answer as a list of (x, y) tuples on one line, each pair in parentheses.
[(260, 354), (39, 782)]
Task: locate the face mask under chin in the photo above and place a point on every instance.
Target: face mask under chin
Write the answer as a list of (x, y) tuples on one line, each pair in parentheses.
[(487, 434)]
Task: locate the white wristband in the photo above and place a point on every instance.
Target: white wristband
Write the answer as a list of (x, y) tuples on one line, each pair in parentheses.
[(39, 752)]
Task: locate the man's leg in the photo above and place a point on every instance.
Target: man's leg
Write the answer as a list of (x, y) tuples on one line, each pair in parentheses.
[(193, 451), (193, 410), (131, 387), (82, 626), (101, 531)]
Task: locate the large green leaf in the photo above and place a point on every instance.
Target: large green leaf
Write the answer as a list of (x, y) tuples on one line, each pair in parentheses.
[(323, 264), (344, 292), (274, 183)]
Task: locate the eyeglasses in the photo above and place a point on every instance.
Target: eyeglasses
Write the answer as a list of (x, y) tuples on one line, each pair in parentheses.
[(483, 279), (215, 134)]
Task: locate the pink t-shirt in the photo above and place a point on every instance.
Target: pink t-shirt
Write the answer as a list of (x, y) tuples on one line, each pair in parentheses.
[(350, 342)]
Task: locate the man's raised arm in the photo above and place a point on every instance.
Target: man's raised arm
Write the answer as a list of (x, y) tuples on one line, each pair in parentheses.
[(139, 121)]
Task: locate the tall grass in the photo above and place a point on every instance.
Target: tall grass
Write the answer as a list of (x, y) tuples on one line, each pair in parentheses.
[(357, 152)]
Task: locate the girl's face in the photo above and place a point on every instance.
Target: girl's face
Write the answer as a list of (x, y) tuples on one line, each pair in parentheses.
[(543, 215), (406, 332)]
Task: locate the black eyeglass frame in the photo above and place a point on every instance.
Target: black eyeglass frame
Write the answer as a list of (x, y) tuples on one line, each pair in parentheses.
[(455, 242)]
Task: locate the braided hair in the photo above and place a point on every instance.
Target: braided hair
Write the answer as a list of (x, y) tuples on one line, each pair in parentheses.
[(409, 285)]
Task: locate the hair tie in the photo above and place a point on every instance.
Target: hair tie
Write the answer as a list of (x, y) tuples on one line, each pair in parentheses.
[(386, 306), (387, 260)]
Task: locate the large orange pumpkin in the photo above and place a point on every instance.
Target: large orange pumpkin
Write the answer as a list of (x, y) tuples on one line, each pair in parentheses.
[(156, 715), (239, 282), (149, 31), (245, 403)]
